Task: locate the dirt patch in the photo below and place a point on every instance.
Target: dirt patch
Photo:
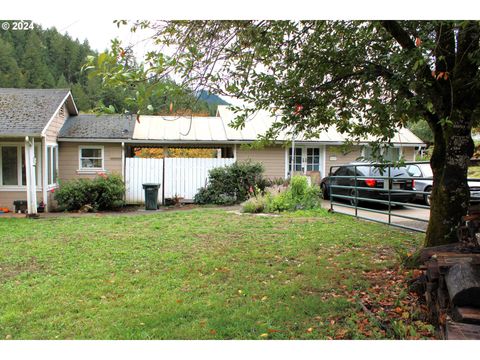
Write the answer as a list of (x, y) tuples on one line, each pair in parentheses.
[(238, 212), (11, 271)]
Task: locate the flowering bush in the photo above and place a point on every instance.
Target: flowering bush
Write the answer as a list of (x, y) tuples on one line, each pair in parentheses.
[(299, 195)]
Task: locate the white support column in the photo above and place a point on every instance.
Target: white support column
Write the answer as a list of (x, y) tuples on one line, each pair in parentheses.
[(123, 161), (30, 167), (43, 172), (292, 168)]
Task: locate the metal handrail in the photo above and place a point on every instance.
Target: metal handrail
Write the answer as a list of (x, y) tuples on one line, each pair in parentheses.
[(386, 190)]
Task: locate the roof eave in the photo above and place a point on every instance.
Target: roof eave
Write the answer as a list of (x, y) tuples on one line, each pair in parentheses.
[(85, 139), (17, 135)]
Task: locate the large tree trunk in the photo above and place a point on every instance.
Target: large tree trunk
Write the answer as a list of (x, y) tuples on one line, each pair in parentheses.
[(455, 101), (450, 195)]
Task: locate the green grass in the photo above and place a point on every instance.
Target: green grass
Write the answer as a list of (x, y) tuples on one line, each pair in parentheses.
[(196, 274)]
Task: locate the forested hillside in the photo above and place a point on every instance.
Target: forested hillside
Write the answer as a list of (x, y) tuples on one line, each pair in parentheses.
[(44, 58)]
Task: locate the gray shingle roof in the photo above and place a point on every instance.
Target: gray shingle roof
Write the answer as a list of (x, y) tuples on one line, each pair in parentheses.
[(98, 127), (27, 111)]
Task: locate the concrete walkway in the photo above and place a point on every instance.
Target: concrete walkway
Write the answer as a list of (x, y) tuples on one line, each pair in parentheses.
[(419, 214)]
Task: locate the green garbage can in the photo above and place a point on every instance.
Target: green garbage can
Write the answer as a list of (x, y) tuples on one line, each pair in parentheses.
[(151, 196)]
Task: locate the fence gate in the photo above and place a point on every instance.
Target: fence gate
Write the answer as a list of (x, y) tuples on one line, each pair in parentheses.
[(183, 176), (140, 171)]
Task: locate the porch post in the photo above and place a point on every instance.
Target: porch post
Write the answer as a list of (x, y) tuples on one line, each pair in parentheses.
[(30, 166), (293, 156)]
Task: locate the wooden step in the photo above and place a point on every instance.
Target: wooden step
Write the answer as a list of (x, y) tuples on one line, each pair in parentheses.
[(467, 315)]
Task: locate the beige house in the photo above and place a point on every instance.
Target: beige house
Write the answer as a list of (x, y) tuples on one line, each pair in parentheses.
[(29, 124), (44, 141)]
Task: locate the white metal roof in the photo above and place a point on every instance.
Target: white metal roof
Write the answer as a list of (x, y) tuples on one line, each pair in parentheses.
[(216, 129), (179, 128)]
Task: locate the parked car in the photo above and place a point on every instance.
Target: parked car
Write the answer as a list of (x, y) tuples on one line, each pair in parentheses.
[(361, 169), (422, 172)]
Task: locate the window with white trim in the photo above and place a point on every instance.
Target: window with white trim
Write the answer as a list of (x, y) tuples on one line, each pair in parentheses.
[(52, 164), (91, 158), (13, 171), (388, 154)]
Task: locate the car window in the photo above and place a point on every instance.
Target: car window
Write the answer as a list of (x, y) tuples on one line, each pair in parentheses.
[(363, 170), (414, 170), (426, 170), (349, 171), (394, 171), (342, 171)]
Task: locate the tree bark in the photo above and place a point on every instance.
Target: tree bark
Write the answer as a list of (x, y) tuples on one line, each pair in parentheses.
[(450, 194), (455, 104), (463, 283)]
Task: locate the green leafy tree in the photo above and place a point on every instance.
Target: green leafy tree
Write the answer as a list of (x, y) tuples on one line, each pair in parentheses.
[(422, 130), (363, 77)]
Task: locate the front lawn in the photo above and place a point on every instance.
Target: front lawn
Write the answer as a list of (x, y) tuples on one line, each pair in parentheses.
[(204, 274)]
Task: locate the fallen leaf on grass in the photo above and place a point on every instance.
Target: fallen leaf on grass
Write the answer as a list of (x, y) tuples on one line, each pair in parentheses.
[(264, 335)]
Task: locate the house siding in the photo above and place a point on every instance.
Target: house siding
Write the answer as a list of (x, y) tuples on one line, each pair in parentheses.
[(54, 127), (336, 156), (272, 158), (68, 163)]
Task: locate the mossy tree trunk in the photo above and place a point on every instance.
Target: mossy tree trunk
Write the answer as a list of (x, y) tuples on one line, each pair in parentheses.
[(455, 103), (450, 194)]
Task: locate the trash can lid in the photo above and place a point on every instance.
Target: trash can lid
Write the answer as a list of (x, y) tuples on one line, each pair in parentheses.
[(151, 185)]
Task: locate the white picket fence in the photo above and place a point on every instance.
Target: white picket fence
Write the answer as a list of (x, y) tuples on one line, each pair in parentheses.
[(183, 176)]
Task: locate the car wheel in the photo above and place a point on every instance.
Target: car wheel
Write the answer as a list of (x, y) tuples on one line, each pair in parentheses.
[(353, 201), (325, 194), (428, 197)]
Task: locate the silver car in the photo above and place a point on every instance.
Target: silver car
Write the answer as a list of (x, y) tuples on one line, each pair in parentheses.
[(424, 173)]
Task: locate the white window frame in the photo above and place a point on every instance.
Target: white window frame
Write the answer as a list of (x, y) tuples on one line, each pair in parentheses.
[(382, 149), (20, 187), (90, 170), (49, 166), (321, 165)]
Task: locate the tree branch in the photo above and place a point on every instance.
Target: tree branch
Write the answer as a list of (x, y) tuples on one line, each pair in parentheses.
[(398, 33)]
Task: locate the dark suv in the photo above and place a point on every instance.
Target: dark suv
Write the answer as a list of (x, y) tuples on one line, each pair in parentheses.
[(372, 183)]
